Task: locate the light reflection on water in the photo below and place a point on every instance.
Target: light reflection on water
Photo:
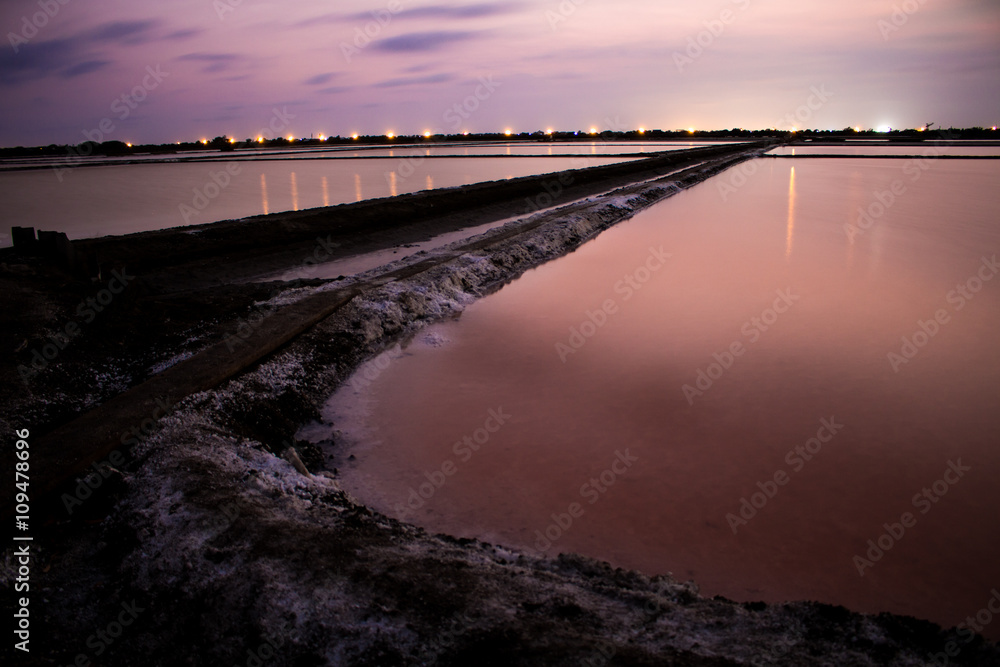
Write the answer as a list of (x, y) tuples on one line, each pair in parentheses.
[(929, 149), (791, 213), (815, 303), (131, 198)]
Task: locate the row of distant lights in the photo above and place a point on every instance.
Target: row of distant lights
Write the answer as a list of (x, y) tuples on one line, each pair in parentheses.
[(508, 132), (427, 134)]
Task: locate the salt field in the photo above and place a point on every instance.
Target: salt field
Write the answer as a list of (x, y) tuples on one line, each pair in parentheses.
[(124, 199), (747, 385)]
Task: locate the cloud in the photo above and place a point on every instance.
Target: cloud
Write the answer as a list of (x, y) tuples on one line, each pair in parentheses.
[(78, 54), (467, 12), (124, 32), (320, 79), (85, 67), (481, 10), (395, 83), (214, 62), (334, 90), (422, 41), (183, 34), (36, 60)]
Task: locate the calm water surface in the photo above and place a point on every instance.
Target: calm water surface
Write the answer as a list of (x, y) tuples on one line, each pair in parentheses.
[(106, 200), (887, 149), (814, 299)]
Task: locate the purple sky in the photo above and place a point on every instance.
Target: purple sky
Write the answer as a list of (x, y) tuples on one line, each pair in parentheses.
[(571, 65)]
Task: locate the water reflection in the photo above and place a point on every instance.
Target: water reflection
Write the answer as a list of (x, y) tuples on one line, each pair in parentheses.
[(295, 193), (392, 184), (790, 235), (430, 182), (125, 199), (621, 388), (854, 201), (326, 193)]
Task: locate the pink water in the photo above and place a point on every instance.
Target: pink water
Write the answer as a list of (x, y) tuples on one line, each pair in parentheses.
[(672, 466), (929, 150), (109, 200)]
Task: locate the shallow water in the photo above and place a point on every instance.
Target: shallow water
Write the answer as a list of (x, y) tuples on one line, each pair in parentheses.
[(887, 149), (790, 305), (107, 200), (463, 149)]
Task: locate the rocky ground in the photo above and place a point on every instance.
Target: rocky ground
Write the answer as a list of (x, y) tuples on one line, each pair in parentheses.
[(223, 540)]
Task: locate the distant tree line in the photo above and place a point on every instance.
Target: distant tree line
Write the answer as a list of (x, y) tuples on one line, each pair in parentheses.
[(224, 143)]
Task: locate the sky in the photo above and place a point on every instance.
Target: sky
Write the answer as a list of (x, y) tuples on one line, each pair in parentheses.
[(156, 71)]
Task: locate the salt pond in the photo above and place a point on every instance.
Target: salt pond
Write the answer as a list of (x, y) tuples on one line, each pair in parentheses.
[(783, 390)]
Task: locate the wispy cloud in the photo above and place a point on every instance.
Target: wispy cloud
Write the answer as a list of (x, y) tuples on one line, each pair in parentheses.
[(465, 12), (320, 79), (85, 68), (37, 60), (81, 53), (124, 32), (422, 41), (214, 62), (183, 34), (483, 10), (412, 81)]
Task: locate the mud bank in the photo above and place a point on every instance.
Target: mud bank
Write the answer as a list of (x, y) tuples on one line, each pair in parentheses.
[(235, 555)]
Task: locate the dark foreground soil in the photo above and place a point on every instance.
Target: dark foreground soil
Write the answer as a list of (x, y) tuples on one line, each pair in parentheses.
[(216, 538)]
